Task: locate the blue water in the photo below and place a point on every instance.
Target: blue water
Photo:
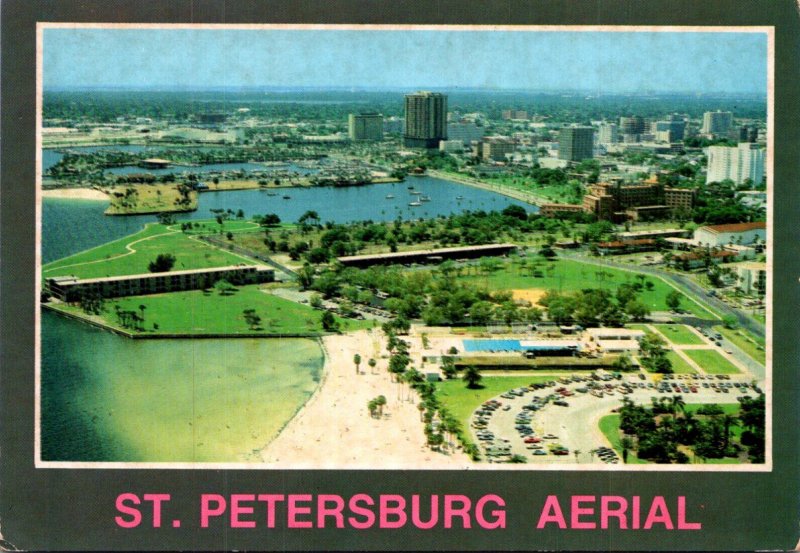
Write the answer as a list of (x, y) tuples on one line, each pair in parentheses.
[(492, 345), (70, 226), (210, 168)]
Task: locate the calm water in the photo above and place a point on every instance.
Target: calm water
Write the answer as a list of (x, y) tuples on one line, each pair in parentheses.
[(106, 398), (70, 226)]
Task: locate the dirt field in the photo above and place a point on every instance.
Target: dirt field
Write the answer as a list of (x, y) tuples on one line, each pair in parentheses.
[(532, 295)]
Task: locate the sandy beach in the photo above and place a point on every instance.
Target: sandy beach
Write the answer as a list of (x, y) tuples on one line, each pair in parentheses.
[(75, 194), (335, 430)]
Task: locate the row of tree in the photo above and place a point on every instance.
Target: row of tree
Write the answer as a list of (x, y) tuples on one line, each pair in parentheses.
[(655, 432)]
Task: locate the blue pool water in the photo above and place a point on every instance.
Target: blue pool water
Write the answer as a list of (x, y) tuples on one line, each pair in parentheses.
[(492, 345)]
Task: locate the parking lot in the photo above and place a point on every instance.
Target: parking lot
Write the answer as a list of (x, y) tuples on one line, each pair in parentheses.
[(548, 423)]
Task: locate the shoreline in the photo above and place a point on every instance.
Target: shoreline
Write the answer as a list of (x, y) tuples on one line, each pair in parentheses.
[(528, 198), (75, 194), (333, 429)]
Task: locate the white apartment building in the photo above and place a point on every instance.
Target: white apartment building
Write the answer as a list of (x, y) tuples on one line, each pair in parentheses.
[(746, 161)]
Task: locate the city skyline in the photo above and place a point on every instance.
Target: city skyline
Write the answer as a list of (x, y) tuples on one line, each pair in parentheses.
[(619, 62)]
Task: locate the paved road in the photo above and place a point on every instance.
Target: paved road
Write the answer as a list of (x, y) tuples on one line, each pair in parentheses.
[(687, 284)]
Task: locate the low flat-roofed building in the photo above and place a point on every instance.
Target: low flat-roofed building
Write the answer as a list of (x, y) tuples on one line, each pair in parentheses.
[(655, 233), (552, 210), (742, 252), (430, 256), (618, 346), (602, 333), (70, 288), (626, 246), (681, 243), (155, 163)]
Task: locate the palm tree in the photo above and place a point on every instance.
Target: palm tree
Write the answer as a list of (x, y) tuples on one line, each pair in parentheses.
[(472, 376), (676, 404), (357, 361), (372, 364), (577, 452), (380, 401), (626, 444), (727, 422)]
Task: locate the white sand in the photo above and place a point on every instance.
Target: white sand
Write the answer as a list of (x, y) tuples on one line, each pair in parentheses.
[(75, 194), (335, 430)]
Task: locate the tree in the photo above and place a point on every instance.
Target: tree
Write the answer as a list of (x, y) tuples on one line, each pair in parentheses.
[(252, 318), (329, 322), (626, 444), (380, 401), (449, 367), (315, 301), (305, 276), (637, 310), (730, 321), (372, 363), (674, 300), (224, 288), (163, 263), (472, 376), (357, 361), (654, 354)]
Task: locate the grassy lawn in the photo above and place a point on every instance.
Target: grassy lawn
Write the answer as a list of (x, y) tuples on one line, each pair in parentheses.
[(679, 334), (568, 275), (115, 259), (746, 342), (462, 401), (148, 198), (679, 364), (212, 227), (201, 312), (609, 426), (712, 361)]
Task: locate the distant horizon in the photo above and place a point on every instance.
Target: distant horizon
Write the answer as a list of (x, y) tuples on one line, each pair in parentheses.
[(395, 89), (551, 61)]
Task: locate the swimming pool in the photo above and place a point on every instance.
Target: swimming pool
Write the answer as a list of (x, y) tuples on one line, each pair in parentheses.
[(492, 345)]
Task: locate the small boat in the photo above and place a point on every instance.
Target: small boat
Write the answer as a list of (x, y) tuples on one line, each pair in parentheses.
[(389, 196), (459, 197), (415, 192), (415, 204), (411, 187), (287, 197), (424, 198)]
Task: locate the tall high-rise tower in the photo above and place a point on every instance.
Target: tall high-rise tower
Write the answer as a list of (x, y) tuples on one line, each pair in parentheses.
[(717, 122), (426, 119), (576, 143)]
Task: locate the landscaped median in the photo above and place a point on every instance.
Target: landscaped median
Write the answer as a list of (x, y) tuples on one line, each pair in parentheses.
[(711, 361)]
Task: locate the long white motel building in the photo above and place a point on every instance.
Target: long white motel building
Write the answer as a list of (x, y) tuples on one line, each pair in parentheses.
[(70, 288)]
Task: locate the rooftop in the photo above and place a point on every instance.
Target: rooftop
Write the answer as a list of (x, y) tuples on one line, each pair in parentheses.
[(735, 227), (438, 251), (74, 280)]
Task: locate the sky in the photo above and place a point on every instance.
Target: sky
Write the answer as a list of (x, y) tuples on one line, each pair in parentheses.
[(607, 62)]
